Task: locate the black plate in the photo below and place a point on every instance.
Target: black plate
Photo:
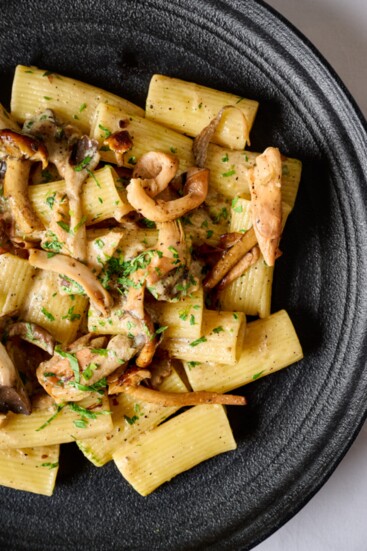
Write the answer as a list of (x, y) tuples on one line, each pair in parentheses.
[(301, 421)]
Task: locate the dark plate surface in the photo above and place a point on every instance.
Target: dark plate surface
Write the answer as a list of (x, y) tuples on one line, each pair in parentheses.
[(300, 421)]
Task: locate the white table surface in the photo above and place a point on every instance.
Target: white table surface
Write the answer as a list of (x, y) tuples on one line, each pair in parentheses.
[(336, 518)]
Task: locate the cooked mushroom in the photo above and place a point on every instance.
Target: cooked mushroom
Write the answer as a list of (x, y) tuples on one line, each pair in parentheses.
[(13, 396), (20, 151), (157, 169), (119, 142), (77, 271), (195, 191), (74, 157), (130, 383), (230, 258), (34, 334), (249, 259), (201, 142), (266, 202), (73, 373)]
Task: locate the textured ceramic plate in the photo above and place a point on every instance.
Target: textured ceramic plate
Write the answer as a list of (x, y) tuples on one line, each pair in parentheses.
[(299, 422)]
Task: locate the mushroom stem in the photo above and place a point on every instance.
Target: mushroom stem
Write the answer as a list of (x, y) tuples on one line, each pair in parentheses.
[(77, 271), (16, 190), (179, 399), (195, 192), (230, 258), (248, 260)]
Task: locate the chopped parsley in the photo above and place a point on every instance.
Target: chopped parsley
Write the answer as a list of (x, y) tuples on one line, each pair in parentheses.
[(50, 465), (107, 132), (80, 223), (192, 364), (235, 207), (83, 164), (218, 329), (74, 364), (228, 173), (257, 375), (198, 341), (50, 419), (47, 314), (71, 316), (100, 351), (64, 226), (89, 370)]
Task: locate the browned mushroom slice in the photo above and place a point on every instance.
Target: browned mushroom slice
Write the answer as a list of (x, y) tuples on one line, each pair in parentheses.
[(13, 396), (249, 259), (146, 354), (19, 146), (77, 271), (230, 258), (33, 333), (195, 192), (179, 399), (131, 377), (266, 202), (157, 169), (119, 142), (19, 151), (73, 373), (227, 240), (201, 142)]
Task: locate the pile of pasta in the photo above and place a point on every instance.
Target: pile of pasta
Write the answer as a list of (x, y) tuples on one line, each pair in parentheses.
[(130, 261)]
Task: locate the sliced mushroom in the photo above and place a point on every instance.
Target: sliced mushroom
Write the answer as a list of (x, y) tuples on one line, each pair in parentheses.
[(74, 157), (248, 260), (72, 374), (266, 202), (119, 142), (195, 191), (77, 271), (230, 258), (19, 146), (131, 377), (34, 334), (201, 142), (13, 396), (20, 151), (179, 399), (157, 169)]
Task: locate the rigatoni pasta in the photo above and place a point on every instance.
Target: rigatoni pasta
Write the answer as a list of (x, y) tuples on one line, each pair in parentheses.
[(124, 289)]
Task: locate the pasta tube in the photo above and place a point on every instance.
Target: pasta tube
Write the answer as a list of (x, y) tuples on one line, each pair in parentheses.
[(229, 173), (59, 314), (35, 89), (183, 319), (221, 340), (189, 108), (251, 292), (30, 469), (102, 197), (16, 277), (174, 447), (146, 136), (269, 345), (130, 418), (48, 426)]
